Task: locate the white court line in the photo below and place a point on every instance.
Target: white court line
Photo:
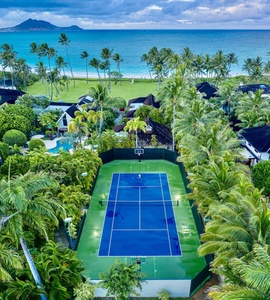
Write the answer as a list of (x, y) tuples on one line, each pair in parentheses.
[(164, 207), (114, 211), (132, 229)]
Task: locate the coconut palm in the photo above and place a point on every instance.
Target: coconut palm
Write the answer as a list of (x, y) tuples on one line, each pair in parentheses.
[(213, 142), (49, 52), (118, 59), (135, 125), (106, 54), (77, 126), (253, 276), (63, 40), (37, 213), (211, 183), (95, 63), (253, 109), (85, 55), (173, 96), (8, 58), (235, 227), (196, 113), (101, 99), (228, 97)]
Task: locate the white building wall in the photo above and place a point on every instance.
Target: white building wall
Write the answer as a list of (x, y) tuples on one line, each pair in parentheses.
[(150, 288)]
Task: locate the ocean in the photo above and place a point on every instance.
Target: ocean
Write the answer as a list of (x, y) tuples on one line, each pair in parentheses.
[(132, 44)]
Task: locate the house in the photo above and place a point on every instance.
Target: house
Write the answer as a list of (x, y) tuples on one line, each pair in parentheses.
[(9, 95), (85, 99), (256, 141), (135, 103), (207, 89), (253, 88), (7, 84), (65, 118)]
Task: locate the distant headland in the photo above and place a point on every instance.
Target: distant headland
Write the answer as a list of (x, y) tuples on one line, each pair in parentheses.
[(38, 25)]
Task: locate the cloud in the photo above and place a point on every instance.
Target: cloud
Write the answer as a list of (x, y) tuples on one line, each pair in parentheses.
[(139, 14)]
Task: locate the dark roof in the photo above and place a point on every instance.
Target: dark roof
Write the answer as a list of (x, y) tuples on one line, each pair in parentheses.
[(71, 110), (6, 82), (130, 113), (119, 128), (9, 96), (208, 89), (254, 87), (149, 100), (85, 99), (258, 137), (60, 103)]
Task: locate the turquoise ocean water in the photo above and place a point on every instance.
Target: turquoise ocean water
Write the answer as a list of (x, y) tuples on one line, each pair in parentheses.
[(132, 44)]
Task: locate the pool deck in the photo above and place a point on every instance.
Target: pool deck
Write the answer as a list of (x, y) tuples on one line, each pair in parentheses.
[(170, 268)]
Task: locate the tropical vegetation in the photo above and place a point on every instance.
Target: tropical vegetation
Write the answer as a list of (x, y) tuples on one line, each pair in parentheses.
[(40, 191)]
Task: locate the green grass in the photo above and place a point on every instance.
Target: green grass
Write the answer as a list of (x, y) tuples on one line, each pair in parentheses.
[(124, 89)]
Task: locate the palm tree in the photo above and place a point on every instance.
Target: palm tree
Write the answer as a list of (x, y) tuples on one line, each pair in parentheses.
[(196, 113), (135, 125), (49, 52), (213, 142), (118, 59), (9, 59), (122, 280), (95, 63), (253, 276), (77, 126), (63, 40), (229, 98), (172, 96), (26, 194), (101, 98), (211, 183), (106, 54), (85, 55), (61, 64), (252, 109), (235, 227), (22, 72)]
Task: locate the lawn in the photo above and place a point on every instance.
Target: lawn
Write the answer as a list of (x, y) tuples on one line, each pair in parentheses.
[(124, 89)]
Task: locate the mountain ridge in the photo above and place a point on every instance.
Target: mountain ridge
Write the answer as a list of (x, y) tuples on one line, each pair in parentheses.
[(38, 25)]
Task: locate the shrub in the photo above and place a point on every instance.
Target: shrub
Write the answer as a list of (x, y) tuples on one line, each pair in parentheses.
[(16, 165), (14, 137), (36, 144), (261, 176)]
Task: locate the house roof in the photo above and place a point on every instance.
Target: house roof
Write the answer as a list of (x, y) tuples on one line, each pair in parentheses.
[(130, 113), (71, 110), (254, 87), (208, 89), (258, 137), (9, 95), (149, 100), (85, 99), (6, 82)]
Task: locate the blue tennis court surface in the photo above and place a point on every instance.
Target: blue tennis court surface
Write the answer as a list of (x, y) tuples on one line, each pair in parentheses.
[(139, 218)]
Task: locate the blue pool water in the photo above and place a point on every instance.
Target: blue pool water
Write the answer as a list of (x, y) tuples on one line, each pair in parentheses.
[(64, 145)]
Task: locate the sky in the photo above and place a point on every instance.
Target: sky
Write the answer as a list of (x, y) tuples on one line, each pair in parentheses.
[(140, 14)]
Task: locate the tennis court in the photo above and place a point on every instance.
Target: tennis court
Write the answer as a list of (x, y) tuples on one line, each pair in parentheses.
[(139, 219)]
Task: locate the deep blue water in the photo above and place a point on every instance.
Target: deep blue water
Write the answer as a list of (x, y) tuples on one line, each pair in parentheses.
[(132, 44)]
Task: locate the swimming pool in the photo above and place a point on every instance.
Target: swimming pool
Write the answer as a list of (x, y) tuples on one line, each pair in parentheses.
[(60, 144)]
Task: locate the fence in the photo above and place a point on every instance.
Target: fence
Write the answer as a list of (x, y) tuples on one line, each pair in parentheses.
[(171, 156)]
